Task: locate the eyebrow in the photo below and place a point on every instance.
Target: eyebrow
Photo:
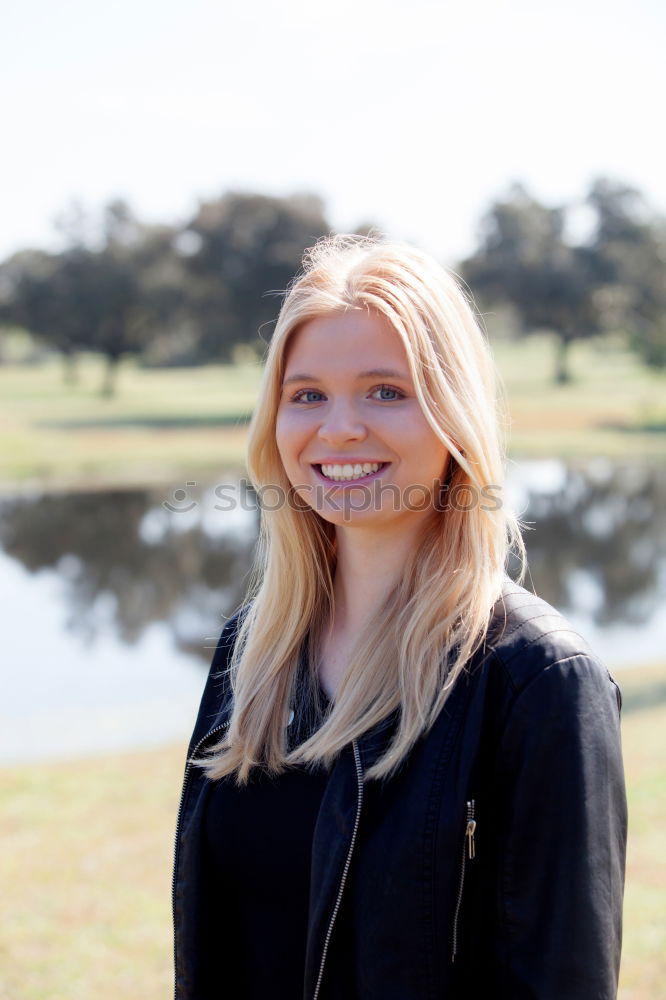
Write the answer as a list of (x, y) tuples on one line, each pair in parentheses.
[(371, 373)]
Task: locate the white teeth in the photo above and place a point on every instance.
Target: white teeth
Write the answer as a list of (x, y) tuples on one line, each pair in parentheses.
[(349, 472)]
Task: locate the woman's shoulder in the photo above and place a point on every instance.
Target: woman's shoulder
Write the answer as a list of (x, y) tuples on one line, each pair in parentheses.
[(528, 637), (216, 695)]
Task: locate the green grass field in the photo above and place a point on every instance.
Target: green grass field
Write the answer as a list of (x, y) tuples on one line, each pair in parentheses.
[(614, 406), (643, 975), (189, 423), (85, 866)]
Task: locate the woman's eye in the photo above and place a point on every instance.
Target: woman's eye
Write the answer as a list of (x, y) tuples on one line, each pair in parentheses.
[(387, 393), (302, 394)]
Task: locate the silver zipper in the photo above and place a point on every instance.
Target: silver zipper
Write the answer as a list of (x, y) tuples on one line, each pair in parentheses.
[(188, 769), (343, 877), (468, 852)]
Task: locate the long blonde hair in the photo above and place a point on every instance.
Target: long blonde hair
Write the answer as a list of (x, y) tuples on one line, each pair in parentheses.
[(414, 648)]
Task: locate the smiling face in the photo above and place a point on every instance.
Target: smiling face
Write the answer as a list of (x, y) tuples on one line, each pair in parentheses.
[(350, 431)]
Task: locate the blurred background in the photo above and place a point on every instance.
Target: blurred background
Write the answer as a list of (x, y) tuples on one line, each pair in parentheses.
[(164, 169)]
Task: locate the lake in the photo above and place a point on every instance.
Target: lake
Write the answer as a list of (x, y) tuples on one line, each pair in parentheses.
[(112, 600)]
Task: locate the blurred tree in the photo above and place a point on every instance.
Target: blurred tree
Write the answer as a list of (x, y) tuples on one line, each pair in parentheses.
[(524, 260), (628, 254), (33, 295), (108, 290), (240, 252), (138, 287), (183, 295)]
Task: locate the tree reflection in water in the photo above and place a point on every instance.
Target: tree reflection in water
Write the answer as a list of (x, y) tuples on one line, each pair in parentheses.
[(598, 539), (180, 568)]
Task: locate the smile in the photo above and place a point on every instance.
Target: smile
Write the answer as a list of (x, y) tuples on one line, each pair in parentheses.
[(350, 472)]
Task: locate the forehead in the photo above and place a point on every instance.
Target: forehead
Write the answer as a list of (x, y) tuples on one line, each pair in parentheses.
[(351, 338)]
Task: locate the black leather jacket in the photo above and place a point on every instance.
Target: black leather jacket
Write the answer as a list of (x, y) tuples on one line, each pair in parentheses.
[(491, 865)]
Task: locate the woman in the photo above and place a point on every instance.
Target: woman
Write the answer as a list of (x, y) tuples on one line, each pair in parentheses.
[(405, 779)]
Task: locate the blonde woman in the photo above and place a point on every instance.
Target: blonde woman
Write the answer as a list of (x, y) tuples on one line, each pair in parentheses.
[(405, 779)]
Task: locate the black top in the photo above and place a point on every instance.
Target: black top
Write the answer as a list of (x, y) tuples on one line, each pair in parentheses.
[(531, 735), (259, 840)]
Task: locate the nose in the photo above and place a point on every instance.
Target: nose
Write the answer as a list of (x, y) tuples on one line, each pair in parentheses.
[(341, 422)]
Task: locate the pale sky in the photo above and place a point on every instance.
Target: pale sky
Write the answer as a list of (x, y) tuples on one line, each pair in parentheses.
[(411, 114)]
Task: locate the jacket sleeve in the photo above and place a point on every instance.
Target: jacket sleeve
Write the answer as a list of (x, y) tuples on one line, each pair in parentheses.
[(562, 837)]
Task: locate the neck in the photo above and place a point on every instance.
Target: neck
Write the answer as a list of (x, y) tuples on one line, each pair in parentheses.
[(369, 566)]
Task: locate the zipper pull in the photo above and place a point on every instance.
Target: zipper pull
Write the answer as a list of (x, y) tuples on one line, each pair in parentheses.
[(469, 832)]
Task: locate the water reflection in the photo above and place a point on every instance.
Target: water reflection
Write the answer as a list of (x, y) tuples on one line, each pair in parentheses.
[(180, 556), (150, 564), (597, 537)]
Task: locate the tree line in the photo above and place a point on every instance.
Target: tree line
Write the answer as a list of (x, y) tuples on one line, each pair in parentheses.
[(609, 277), (209, 289)]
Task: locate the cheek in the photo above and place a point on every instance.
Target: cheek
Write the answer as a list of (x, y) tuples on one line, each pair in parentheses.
[(442, 459), (433, 453), (288, 438)]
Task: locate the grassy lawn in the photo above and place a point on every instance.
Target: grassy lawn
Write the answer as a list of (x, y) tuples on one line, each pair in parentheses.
[(85, 870), (160, 424), (613, 406), (85, 865), (644, 723), (186, 423)]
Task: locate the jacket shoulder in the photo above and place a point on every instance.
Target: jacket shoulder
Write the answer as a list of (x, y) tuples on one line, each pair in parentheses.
[(528, 636), (217, 691)]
